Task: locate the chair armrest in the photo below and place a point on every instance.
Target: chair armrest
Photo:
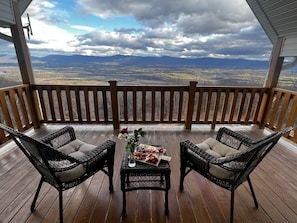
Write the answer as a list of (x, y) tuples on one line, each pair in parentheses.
[(234, 139), (60, 137)]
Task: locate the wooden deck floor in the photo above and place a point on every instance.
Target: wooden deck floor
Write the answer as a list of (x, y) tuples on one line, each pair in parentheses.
[(275, 183)]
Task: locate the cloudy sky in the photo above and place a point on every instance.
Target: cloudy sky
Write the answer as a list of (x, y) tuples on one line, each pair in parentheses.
[(177, 28)]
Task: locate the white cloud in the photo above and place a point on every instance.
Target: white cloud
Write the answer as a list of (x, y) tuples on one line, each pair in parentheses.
[(181, 28), (50, 38), (84, 28), (210, 15)]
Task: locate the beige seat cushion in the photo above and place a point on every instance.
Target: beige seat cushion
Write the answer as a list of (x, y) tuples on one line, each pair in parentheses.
[(75, 149), (218, 150)]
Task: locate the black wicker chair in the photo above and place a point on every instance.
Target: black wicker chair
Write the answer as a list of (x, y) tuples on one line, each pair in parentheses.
[(64, 161), (227, 160)]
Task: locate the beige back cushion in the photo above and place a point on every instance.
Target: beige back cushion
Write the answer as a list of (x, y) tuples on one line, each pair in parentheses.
[(219, 150), (76, 149)]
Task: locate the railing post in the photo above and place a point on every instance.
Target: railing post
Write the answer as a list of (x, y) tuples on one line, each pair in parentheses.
[(34, 108), (190, 104), (275, 66), (114, 104)]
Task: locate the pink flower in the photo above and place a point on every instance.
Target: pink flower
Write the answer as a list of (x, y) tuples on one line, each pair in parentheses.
[(132, 138), (124, 131)]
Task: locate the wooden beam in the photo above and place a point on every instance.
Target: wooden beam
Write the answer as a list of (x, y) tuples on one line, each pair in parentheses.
[(190, 105), (6, 37), (276, 63), (21, 47), (115, 104), (24, 61), (275, 67)]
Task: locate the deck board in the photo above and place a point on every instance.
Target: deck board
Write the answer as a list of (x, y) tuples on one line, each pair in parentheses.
[(201, 201)]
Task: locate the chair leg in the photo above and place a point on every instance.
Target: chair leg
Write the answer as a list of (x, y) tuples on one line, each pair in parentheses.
[(61, 205), (232, 206), (110, 164), (36, 194), (182, 177), (253, 192), (110, 176)]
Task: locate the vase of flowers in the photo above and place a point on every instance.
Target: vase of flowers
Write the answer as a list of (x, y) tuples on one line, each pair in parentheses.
[(132, 140)]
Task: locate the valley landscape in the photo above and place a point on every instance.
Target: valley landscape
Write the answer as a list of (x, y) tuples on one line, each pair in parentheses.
[(126, 70)]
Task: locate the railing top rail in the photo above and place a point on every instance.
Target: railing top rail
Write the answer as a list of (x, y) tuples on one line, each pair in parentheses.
[(71, 87), (151, 87), (284, 91), (14, 87)]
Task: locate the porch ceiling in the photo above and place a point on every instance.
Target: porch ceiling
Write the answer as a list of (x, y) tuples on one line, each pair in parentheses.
[(278, 18), (6, 11)]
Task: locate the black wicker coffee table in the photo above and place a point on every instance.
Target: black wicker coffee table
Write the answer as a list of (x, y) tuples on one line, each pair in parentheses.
[(144, 177)]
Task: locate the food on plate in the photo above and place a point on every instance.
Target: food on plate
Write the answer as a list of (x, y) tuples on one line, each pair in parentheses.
[(149, 154), (151, 149), (139, 155), (161, 150), (152, 158)]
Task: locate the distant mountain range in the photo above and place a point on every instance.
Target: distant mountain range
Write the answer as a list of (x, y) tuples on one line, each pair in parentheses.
[(52, 61)]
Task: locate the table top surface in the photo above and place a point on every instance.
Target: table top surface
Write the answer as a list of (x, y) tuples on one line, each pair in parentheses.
[(143, 167)]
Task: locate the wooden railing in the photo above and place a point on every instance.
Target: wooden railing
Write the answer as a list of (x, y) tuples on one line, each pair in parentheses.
[(118, 105), (150, 104), (281, 110), (74, 104), (16, 109), (228, 105)]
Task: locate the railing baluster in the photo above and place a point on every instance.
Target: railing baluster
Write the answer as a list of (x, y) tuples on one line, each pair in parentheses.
[(125, 95), (208, 106), (293, 112), (180, 104), (233, 106), (25, 113), (60, 104), (199, 106), (14, 108), (42, 104), (276, 103), (162, 106), (105, 110), (143, 105), (171, 106), (225, 105), (51, 104), (283, 112), (4, 108), (134, 92), (96, 105), (216, 108), (153, 99), (241, 105), (78, 104), (250, 106), (87, 105), (69, 104)]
